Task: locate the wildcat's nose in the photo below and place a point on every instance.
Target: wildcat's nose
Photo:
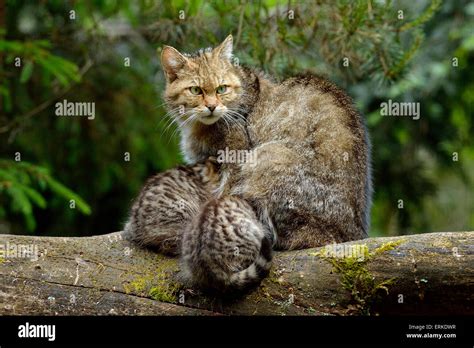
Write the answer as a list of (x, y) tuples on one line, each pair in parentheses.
[(211, 107)]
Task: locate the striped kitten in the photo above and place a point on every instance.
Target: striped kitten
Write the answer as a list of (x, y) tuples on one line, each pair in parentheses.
[(226, 246), (166, 205), (308, 182), (223, 244)]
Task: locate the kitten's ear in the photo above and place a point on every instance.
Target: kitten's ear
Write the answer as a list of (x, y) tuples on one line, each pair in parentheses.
[(172, 61), (224, 50)]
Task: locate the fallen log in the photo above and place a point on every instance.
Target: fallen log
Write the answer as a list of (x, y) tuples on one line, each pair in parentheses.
[(107, 275)]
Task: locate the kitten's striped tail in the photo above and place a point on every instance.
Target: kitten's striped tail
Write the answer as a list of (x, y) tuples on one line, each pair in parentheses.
[(226, 248), (257, 271)]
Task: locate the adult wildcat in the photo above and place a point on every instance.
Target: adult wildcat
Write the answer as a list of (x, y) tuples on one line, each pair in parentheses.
[(308, 182)]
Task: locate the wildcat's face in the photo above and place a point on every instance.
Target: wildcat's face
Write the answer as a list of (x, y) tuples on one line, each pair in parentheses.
[(204, 87)]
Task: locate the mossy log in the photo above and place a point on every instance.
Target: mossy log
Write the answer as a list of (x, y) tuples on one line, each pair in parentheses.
[(106, 275)]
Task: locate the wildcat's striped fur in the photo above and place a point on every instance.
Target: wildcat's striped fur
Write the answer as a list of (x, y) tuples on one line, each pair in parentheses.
[(310, 182)]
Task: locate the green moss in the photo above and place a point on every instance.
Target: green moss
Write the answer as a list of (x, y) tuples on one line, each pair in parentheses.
[(275, 278), (165, 292), (157, 284), (364, 289), (138, 285), (386, 247)]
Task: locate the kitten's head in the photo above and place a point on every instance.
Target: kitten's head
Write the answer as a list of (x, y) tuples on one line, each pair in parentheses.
[(202, 87)]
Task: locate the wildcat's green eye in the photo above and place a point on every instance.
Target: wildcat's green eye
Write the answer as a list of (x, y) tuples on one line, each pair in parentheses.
[(221, 89), (195, 90)]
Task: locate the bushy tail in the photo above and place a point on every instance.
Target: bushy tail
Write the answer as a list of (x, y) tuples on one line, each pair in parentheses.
[(257, 271), (226, 248), (210, 271)]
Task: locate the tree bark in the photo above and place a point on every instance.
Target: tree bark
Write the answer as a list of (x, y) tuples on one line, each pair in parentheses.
[(106, 275)]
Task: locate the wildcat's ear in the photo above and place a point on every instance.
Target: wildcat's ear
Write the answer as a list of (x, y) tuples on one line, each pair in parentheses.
[(172, 61), (224, 50)]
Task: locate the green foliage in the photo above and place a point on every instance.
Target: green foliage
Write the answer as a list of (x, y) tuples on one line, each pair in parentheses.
[(21, 188), (38, 53), (424, 17), (82, 59)]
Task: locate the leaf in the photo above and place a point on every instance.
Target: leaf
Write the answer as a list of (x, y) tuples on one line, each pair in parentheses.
[(424, 17), (26, 72), (63, 191), (7, 100), (16, 181), (6, 175), (20, 203), (34, 196)]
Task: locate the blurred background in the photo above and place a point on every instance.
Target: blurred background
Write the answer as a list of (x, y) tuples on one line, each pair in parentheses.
[(74, 177)]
